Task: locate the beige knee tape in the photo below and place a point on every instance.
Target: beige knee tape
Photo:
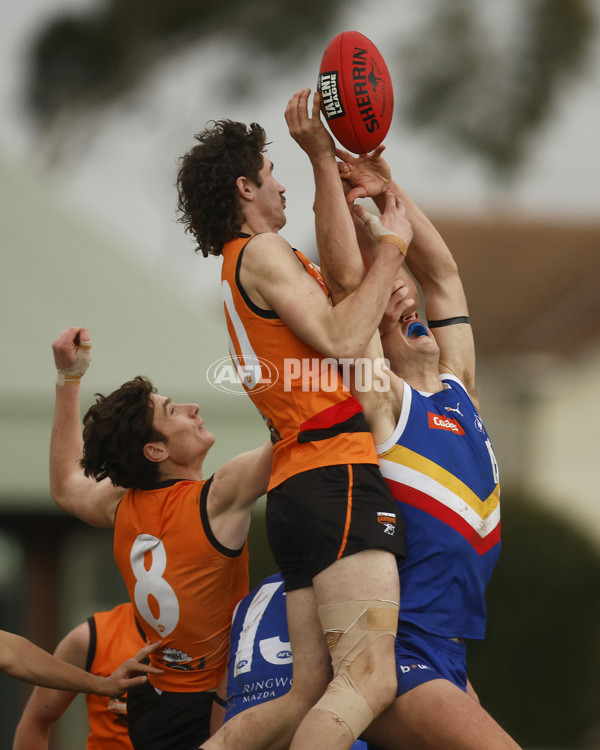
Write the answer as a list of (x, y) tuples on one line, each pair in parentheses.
[(350, 627), (343, 700)]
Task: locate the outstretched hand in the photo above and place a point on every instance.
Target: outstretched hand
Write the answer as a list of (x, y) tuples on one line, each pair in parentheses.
[(366, 175), (403, 300), (123, 679), (309, 132), (393, 220)]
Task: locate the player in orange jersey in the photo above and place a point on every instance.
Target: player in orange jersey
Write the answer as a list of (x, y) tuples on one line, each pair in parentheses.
[(332, 524), (179, 539), (97, 645)]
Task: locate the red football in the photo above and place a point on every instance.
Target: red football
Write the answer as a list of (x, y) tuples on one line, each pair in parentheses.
[(356, 91)]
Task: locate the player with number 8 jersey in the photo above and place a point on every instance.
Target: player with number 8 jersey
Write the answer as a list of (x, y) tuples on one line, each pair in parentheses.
[(160, 535), (179, 539)]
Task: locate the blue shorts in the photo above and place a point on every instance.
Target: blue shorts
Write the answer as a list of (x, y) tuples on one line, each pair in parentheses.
[(422, 657)]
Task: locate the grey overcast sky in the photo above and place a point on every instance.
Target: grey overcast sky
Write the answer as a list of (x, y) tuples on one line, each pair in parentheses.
[(121, 166)]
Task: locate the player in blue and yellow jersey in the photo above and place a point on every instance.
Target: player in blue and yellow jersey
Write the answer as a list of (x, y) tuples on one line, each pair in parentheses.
[(435, 454)]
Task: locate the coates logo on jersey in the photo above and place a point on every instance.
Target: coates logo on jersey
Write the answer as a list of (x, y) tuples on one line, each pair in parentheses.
[(437, 422)]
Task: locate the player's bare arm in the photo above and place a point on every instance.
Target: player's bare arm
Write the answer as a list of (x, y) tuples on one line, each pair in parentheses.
[(381, 402), (430, 261), (341, 260), (234, 491), (434, 267), (46, 705), (275, 279), (91, 501), (24, 660), (341, 265)]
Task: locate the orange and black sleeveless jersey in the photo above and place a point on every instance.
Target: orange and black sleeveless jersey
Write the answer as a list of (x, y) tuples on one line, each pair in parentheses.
[(183, 583), (114, 637), (313, 419)]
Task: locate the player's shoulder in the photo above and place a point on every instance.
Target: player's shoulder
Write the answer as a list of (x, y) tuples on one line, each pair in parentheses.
[(262, 247), (461, 384), (270, 258), (77, 641)]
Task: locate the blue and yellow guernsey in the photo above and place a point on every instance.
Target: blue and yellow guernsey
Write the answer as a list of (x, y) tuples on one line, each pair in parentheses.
[(441, 468)]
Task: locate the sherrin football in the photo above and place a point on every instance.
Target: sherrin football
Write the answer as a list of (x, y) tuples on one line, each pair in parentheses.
[(356, 92)]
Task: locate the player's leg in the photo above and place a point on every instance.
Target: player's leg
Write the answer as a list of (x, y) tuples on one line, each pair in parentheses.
[(437, 715), (436, 706), (325, 529), (364, 588), (272, 724)]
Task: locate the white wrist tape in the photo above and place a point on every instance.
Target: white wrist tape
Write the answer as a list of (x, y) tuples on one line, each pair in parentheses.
[(72, 375), (381, 233)]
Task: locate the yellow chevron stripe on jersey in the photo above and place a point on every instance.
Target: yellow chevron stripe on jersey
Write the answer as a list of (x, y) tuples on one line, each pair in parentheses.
[(409, 468)]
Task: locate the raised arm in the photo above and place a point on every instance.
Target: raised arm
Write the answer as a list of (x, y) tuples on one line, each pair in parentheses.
[(434, 267), (233, 494), (24, 660), (430, 261), (91, 501), (341, 263), (272, 273), (271, 268)]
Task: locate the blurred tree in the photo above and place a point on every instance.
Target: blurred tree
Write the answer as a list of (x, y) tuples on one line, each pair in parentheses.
[(90, 58), (538, 671), (457, 80), (487, 88)]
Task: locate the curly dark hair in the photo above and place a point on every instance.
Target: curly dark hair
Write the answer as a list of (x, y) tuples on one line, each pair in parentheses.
[(206, 183), (116, 428)]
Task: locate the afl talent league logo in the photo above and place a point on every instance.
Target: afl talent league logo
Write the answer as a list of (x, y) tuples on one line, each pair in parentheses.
[(330, 94)]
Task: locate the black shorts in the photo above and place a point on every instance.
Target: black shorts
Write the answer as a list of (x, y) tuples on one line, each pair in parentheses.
[(322, 515), (167, 721)]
